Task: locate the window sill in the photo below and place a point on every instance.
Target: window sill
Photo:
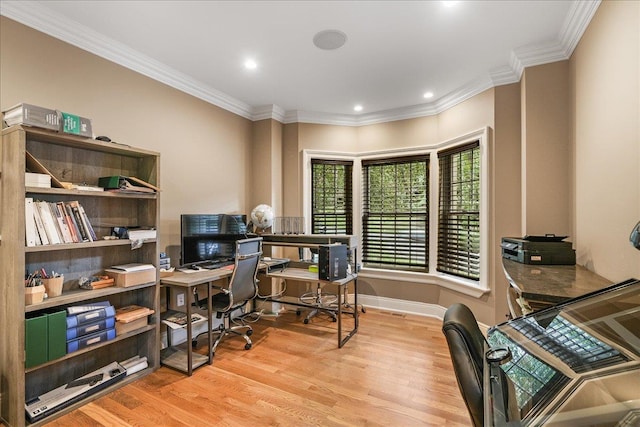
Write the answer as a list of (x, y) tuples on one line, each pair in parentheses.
[(458, 284)]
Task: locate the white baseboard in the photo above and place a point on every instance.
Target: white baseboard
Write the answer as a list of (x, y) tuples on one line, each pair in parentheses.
[(402, 306), (409, 307)]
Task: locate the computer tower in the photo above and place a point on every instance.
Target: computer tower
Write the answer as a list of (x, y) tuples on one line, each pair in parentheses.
[(332, 262)]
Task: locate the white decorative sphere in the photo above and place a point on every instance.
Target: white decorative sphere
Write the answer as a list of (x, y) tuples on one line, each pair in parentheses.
[(262, 217)]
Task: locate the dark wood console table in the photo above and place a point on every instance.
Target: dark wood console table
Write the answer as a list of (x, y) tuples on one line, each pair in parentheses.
[(534, 287)]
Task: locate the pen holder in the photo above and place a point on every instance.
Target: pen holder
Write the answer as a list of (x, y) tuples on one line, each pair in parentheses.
[(33, 294), (53, 286)]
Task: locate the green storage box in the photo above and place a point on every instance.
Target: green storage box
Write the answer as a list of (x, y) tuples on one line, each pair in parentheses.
[(36, 338), (57, 334)]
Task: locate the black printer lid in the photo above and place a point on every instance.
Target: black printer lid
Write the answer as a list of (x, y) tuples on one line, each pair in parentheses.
[(545, 238)]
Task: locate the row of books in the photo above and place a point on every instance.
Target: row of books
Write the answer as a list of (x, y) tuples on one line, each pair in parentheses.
[(50, 223)]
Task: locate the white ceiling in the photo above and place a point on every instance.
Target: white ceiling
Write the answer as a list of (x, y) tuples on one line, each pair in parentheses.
[(395, 50)]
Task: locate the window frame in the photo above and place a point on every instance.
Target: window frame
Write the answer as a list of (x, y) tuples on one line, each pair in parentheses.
[(465, 286), (394, 219), (348, 164)]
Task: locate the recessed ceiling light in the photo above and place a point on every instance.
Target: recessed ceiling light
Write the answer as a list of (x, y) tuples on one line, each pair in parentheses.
[(428, 95), (329, 39), (449, 3), (250, 64), (357, 108)]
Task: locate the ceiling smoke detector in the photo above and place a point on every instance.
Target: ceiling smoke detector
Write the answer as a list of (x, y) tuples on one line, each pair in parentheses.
[(329, 39)]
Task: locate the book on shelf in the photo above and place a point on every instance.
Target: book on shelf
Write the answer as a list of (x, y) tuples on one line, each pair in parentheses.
[(40, 180), (40, 225), (87, 223), (58, 211), (50, 227), (79, 221), (32, 115), (72, 218), (32, 238)]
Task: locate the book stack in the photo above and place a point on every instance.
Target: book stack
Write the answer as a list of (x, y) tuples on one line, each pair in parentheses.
[(32, 115), (90, 324), (40, 180), (51, 223), (131, 317)]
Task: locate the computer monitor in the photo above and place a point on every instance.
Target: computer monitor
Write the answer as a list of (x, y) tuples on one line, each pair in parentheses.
[(210, 237)]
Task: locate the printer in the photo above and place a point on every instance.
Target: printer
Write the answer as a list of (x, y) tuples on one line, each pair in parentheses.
[(544, 250)]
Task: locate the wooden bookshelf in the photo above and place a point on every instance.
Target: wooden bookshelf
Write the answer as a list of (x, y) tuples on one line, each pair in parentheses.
[(78, 160)]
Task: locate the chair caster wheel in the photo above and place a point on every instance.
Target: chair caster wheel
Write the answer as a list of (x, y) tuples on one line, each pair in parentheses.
[(194, 344), (249, 332), (247, 346), (306, 321), (364, 310), (298, 312), (333, 319)]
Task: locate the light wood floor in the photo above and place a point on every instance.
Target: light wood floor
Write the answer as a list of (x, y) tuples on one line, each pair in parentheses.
[(396, 371)]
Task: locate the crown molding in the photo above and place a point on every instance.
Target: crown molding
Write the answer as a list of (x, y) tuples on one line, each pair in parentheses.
[(268, 112), (37, 16), (576, 24)]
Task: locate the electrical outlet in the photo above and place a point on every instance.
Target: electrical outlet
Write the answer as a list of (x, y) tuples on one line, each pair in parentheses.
[(180, 300)]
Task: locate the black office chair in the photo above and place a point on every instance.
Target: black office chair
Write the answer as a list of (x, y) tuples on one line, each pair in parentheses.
[(242, 289), (466, 346)]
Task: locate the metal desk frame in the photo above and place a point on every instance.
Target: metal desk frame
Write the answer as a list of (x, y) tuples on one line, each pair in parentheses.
[(188, 282), (305, 275)]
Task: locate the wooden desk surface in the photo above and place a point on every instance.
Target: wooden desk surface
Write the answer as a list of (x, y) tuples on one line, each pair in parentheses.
[(196, 278), (306, 275), (552, 283)]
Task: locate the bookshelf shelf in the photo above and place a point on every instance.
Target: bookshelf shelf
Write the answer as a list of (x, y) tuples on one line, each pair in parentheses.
[(84, 245), (80, 295), (89, 349), (85, 193), (79, 160)]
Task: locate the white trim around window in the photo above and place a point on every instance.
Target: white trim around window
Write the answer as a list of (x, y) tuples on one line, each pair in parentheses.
[(464, 286)]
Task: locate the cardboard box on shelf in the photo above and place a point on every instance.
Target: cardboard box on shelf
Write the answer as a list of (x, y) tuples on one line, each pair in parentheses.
[(132, 274)]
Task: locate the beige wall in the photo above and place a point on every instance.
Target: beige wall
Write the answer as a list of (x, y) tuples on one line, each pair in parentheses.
[(265, 173), (605, 73), (215, 161), (205, 151), (546, 151)]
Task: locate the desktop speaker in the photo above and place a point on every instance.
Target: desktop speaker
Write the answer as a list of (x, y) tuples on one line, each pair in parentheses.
[(332, 262)]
